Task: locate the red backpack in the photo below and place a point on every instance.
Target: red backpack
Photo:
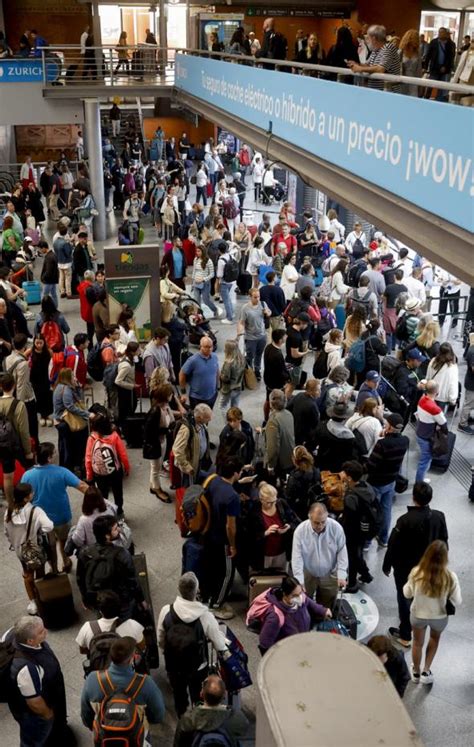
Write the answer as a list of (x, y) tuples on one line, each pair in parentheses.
[(230, 209), (52, 335)]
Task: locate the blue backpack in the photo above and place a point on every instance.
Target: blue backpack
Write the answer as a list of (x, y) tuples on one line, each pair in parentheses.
[(216, 738), (355, 361)]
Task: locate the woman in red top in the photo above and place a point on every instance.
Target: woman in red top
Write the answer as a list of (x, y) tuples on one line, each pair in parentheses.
[(87, 298), (270, 530)]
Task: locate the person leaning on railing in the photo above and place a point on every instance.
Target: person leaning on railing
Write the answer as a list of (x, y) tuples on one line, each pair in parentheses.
[(384, 58)]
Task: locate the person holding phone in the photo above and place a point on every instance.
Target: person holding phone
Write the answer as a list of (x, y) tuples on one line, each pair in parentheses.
[(270, 530)]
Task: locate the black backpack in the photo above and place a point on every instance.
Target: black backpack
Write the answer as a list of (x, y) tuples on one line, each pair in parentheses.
[(401, 328), (355, 271), (185, 644), (356, 302), (100, 645), (100, 570), (9, 437), (95, 364), (358, 248), (231, 270), (320, 368)]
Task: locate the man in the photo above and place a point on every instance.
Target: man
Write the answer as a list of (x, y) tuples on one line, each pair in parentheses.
[(304, 407), (383, 58), (296, 348), (284, 243), (430, 417), (225, 281), (74, 358), (184, 147), (305, 279), (17, 443), (439, 61), (449, 293), (37, 697), (406, 383), (191, 444), (336, 442), (273, 43), (275, 372), (157, 354), (49, 272), (369, 389), (363, 298), (252, 327), (187, 665), (423, 46), (201, 372), (415, 287), (220, 541), (273, 296), (49, 483), (87, 299), (383, 468), (108, 604), (376, 279), (319, 557), (212, 716), (410, 537), (17, 364), (131, 214), (468, 390), (120, 676), (301, 42), (107, 566), (356, 241), (64, 249), (390, 296)]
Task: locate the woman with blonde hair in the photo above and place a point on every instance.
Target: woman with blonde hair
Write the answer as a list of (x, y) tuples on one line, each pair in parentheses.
[(410, 57), (354, 327), (231, 376), (303, 484), (270, 530), (435, 592), (367, 422)]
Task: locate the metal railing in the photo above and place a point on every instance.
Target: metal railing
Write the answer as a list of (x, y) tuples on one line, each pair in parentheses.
[(145, 63)]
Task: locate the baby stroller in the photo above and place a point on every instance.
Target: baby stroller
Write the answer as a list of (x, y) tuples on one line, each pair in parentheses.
[(196, 319)]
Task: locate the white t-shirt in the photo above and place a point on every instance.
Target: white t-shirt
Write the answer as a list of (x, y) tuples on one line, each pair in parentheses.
[(130, 628)]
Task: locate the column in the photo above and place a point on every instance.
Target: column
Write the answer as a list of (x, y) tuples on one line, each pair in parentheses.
[(96, 172), (97, 34), (163, 40)]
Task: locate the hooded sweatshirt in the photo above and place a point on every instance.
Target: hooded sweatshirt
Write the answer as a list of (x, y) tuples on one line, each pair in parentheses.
[(354, 500), (337, 444), (15, 529), (208, 719), (297, 620), (334, 353), (188, 612)]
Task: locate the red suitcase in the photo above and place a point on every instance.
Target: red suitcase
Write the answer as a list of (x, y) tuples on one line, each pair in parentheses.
[(179, 516)]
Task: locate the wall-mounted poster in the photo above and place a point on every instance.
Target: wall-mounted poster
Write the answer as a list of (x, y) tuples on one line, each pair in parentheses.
[(134, 292)]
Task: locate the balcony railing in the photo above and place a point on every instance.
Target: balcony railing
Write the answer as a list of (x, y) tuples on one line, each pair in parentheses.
[(146, 63)]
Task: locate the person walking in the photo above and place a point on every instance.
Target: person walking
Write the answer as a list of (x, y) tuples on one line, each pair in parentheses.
[(251, 326), (435, 592), (201, 372), (231, 376)]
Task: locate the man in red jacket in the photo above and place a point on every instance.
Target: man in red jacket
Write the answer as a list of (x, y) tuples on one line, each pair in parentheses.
[(87, 298)]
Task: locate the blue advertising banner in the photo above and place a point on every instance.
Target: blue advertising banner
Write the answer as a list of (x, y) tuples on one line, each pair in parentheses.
[(420, 150), (27, 71)]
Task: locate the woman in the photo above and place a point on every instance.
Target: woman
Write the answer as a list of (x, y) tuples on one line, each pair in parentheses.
[(367, 422), (175, 260), (313, 53), (341, 52), (5, 335), (125, 383), (270, 530), (244, 447), (169, 292), (289, 277), (40, 360), (307, 242), (427, 342), (100, 313), (336, 226), (410, 57), (203, 272), (432, 586), (34, 203), (337, 284), (126, 325), (93, 505), (52, 325), (106, 459), (231, 376), (70, 419), (243, 239), (304, 482), (11, 241), (279, 436), (393, 661), (257, 257), (444, 370), (169, 218), (121, 49), (22, 522), (290, 611), (374, 349), (239, 44), (158, 428), (354, 327)]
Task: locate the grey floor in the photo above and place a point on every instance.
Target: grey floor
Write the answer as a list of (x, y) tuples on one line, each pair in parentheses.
[(441, 713)]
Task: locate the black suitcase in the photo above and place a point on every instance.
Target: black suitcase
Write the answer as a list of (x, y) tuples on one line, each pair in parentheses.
[(244, 283), (55, 601), (343, 612), (147, 617), (134, 426), (441, 464)]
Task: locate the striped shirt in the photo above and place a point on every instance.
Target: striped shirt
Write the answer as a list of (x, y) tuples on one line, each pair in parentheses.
[(388, 57), (429, 415)]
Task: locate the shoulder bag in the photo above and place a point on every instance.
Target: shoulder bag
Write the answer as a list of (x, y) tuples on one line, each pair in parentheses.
[(32, 555)]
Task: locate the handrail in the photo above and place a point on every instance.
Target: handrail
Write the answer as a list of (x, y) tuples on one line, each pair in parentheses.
[(283, 65)]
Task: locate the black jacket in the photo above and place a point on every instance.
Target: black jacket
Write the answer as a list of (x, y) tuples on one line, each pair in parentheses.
[(275, 299), (333, 450), (385, 462), (397, 670), (256, 532), (306, 416), (374, 347), (124, 579), (431, 62), (275, 373), (49, 271), (302, 489), (410, 537), (81, 259), (247, 450), (353, 513), (405, 382)]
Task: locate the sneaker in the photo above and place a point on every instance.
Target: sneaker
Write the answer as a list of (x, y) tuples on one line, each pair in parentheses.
[(224, 612), (427, 677), (427, 480), (466, 429), (42, 422), (415, 676), (32, 608), (380, 543), (395, 634), (226, 321), (366, 578)]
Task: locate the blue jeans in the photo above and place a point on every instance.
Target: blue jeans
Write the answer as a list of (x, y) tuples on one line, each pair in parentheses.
[(201, 192), (34, 730), (225, 289), (385, 494), (51, 289), (254, 351), (426, 456), (203, 295), (229, 400)]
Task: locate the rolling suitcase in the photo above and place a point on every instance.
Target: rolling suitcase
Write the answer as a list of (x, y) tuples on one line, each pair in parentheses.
[(147, 617), (32, 289), (244, 283), (260, 582), (55, 601), (441, 463), (343, 613), (134, 426)]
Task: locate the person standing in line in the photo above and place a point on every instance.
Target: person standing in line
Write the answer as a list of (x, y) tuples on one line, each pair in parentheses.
[(251, 325), (430, 417), (231, 376), (224, 284), (468, 390), (434, 590), (201, 372)]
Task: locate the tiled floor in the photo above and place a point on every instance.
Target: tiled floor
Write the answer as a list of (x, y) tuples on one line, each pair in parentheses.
[(443, 714)]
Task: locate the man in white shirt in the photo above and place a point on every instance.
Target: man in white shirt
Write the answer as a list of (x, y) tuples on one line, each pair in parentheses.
[(449, 293), (82, 42), (414, 285), (404, 263), (319, 558), (109, 607)]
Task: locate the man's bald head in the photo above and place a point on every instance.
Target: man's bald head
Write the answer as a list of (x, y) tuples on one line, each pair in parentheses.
[(318, 516), (268, 24), (213, 690)]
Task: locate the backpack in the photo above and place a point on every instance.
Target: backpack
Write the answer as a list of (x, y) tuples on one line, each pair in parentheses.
[(355, 271), (389, 367), (100, 571), (119, 720), (322, 401), (216, 738), (9, 437), (196, 509), (325, 289), (357, 248), (356, 302), (230, 209), (258, 611), (52, 335), (185, 646), (370, 518), (95, 363), (110, 374), (326, 323), (355, 360), (401, 328), (104, 458), (100, 645), (320, 368), (294, 308), (231, 270)]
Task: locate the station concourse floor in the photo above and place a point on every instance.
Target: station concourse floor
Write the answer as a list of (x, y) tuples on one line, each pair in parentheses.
[(442, 713)]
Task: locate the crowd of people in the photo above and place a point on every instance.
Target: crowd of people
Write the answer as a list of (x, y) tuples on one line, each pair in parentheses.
[(299, 486)]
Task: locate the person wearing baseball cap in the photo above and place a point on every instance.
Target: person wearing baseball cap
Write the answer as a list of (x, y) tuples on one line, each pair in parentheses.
[(406, 383), (369, 389)]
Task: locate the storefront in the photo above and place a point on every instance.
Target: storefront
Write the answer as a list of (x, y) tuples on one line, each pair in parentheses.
[(136, 19)]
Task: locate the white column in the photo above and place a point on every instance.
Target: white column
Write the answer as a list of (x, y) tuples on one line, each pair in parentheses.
[(96, 171)]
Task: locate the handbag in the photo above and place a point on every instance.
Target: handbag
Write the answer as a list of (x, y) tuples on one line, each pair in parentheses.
[(74, 422), (32, 555), (439, 443), (250, 379), (234, 664)]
